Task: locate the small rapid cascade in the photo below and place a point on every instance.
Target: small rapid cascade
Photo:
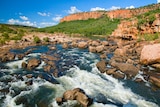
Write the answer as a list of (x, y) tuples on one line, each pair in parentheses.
[(76, 69)]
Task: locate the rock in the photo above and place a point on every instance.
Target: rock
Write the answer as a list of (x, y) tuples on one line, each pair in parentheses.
[(82, 45), (105, 43), (111, 71), (83, 99), (92, 49), (118, 75), (76, 94), (120, 52), (65, 45), (101, 66), (95, 43), (49, 57), (59, 100), (20, 56), (155, 80), (99, 49), (150, 54), (33, 63), (128, 69), (24, 65), (103, 56), (47, 68), (157, 66)]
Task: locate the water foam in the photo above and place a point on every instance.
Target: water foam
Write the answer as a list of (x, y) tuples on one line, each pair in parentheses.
[(102, 87)]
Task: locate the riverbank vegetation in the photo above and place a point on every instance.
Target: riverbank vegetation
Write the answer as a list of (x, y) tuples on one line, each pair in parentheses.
[(102, 26)]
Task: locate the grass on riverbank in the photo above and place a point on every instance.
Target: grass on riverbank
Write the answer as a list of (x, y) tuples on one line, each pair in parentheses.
[(13, 32), (90, 27)]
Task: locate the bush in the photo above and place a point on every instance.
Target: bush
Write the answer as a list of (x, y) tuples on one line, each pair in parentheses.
[(46, 39), (36, 39), (5, 35)]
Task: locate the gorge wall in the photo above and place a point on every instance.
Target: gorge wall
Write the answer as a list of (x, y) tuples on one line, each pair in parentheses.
[(122, 13)]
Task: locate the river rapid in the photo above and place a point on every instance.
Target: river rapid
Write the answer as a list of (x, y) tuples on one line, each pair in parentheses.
[(76, 69)]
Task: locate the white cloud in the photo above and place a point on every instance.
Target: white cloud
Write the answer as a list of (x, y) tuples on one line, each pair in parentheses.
[(130, 7), (73, 10), (97, 8), (114, 8), (43, 14), (46, 24), (57, 18), (158, 1), (18, 22), (24, 17)]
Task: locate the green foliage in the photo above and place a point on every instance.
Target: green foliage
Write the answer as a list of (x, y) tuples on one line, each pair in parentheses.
[(2, 41), (36, 39), (90, 27), (46, 39), (148, 17), (148, 37), (5, 35)]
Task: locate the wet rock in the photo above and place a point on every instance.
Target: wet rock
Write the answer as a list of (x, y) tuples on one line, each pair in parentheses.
[(92, 49), (47, 68), (49, 57), (105, 43), (20, 56), (24, 65), (102, 66), (157, 66), (52, 47), (29, 75), (103, 56), (111, 71), (155, 80), (99, 49), (65, 45), (33, 63), (76, 94), (59, 100), (120, 52), (95, 43), (82, 45), (150, 54), (118, 75), (128, 69)]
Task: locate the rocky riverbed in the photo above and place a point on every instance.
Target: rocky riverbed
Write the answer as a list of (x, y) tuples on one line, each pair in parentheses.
[(121, 59)]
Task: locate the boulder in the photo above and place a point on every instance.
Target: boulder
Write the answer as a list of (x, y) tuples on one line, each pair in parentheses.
[(92, 49), (102, 66), (120, 52), (33, 63), (155, 80), (24, 65), (82, 44), (105, 43), (65, 45), (75, 94), (99, 49), (150, 54), (128, 69)]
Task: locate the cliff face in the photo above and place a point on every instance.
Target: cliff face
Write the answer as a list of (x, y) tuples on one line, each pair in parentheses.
[(123, 13), (130, 29)]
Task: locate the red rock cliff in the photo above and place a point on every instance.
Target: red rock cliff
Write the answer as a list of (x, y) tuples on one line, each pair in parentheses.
[(122, 13)]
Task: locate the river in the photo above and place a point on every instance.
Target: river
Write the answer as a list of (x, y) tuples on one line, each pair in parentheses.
[(77, 69)]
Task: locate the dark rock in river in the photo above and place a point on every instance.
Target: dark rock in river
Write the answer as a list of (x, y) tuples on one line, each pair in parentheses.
[(33, 63), (102, 66)]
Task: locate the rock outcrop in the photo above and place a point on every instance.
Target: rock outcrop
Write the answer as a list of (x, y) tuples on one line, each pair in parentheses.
[(121, 13), (75, 94)]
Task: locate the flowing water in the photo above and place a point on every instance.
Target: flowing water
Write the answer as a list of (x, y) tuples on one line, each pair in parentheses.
[(77, 69)]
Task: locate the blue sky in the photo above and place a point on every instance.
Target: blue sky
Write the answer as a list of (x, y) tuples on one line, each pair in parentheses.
[(42, 13)]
